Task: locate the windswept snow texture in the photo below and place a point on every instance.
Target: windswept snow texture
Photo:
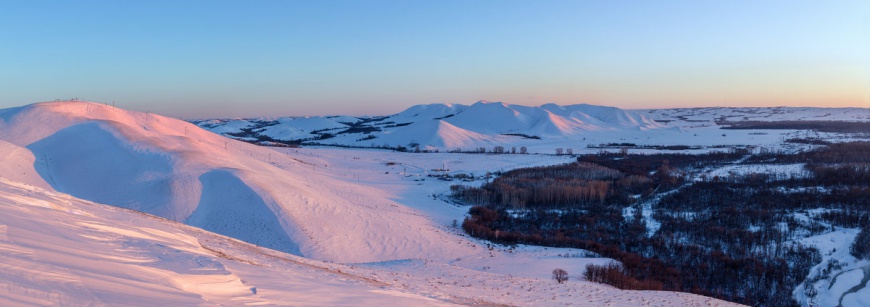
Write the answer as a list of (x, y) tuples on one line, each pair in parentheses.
[(57, 250)]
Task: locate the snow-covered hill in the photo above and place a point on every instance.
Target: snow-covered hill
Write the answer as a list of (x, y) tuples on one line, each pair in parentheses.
[(442, 126), (175, 170)]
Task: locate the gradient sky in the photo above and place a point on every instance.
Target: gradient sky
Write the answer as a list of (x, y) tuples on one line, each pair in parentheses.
[(196, 59)]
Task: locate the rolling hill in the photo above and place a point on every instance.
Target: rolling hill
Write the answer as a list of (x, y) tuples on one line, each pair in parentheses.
[(442, 126)]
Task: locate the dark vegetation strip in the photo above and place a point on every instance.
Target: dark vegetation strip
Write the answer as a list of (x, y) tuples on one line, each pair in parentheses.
[(823, 126), (727, 237), (525, 136)]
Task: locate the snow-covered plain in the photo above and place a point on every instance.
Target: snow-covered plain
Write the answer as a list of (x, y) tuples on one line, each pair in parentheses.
[(708, 116), (375, 212)]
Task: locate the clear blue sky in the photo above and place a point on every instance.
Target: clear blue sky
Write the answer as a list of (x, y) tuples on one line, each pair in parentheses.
[(274, 58)]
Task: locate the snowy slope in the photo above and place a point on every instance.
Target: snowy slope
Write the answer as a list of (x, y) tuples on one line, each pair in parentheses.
[(424, 112), (602, 115), (175, 170), (59, 250), (434, 133), (494, 118), (501, 118)]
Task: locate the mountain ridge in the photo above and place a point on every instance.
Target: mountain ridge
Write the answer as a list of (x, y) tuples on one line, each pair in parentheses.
[(481, 123)]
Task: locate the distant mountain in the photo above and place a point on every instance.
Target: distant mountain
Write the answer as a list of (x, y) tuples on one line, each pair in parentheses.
[(440, 126), (434, 133)]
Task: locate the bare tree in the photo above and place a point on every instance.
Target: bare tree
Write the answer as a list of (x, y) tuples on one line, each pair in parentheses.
[(623, 151), (560, 275), (524, 150), (559, 150), (570, 151)]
